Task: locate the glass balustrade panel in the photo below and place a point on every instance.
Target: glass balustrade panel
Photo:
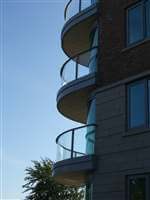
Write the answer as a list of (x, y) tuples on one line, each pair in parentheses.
[(85, 4), (76, 143), (64, 146), (73, 9), (79, 66), (82, 71), (93, 53), (76, 6), (90, 140), (83, 59), (88, 192), (73, 71), (80, 142), (92, 65), (90, 134), (69, 72)]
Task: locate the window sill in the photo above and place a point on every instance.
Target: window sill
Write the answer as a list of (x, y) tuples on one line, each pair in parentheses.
[(135, 45), (136, 131)]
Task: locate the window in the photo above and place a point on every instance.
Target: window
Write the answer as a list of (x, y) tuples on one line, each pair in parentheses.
[(138, 22), (138, 104), (138, 187)]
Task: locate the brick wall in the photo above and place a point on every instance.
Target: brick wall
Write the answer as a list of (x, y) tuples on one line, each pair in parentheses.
[(116, 62)]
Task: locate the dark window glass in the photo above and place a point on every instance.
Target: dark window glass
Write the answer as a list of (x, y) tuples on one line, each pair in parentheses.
[(137, 105), (137, 188), (135, 24), (148, 17)]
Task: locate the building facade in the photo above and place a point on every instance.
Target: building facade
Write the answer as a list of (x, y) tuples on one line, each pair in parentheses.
[(106, 86)]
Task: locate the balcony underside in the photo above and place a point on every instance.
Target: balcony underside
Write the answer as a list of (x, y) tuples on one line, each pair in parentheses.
[(73, 97), (74, 172), (76, 31)]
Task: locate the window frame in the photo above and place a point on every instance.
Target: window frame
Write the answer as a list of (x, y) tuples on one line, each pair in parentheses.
[(147, 181), (146, 105), (145, 36)]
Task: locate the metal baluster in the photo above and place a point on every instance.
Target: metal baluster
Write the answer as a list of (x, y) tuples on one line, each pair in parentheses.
[(77, 65), (72, 143)]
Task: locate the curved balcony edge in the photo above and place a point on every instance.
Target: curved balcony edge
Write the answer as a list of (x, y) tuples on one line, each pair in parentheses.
[(74, 172), (73, 92), (75, 26)]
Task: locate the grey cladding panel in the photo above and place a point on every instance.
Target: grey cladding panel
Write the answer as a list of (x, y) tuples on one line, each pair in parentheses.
[(110, 109), (110, 94), (118, 155)]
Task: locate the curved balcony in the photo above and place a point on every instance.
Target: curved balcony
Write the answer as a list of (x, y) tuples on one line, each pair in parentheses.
[(75, 155), (77, 82), (80, 16), (74, 7)]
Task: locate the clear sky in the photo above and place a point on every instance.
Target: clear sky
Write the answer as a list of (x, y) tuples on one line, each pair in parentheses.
[(31, 58)]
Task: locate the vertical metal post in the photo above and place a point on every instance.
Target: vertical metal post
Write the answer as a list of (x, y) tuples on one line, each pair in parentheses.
[(72, 143), (80, 5), (76, 75)]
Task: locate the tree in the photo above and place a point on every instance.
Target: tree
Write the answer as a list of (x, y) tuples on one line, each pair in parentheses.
[(41, 185)]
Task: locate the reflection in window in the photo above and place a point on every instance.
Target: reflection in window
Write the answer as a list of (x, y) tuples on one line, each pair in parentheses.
[(138, 22), (135, 24), (137, 188), (137, 105)]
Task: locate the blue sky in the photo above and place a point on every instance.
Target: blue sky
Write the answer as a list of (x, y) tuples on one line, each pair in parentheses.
[(31, 58)]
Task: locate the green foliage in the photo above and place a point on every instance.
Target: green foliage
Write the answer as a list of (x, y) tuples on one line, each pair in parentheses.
[(40, 184)]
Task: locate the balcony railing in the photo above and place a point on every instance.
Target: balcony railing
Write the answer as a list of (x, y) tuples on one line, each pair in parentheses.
[(72, 70), (73, 7), (76, 142)]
